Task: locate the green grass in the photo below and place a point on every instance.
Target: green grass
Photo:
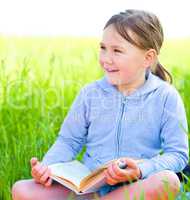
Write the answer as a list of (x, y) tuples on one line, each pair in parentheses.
[(39, 78)]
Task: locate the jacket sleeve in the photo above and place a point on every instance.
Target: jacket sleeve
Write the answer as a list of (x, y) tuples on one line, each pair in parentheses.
[(174, 139), (72, 134)]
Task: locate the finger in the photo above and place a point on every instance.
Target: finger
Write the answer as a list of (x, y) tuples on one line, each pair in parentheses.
[(112, 178), (33, 161), (41, 171), (128, 173), (109, 180), (45, 176), (36, 168), (118, 171), (48, 182), (134, 174), (131, 163), (113, 175), (131, 175)]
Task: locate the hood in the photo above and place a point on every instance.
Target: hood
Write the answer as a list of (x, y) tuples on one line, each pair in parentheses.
[(152, 82)]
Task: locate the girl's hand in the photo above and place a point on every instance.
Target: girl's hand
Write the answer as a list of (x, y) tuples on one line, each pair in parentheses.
[(116, 175), (40, 173)]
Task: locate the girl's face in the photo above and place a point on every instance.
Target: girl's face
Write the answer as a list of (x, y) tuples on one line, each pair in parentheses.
[(122, 62)]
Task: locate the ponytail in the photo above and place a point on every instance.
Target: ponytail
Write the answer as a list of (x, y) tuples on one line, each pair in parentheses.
[(161, 72)]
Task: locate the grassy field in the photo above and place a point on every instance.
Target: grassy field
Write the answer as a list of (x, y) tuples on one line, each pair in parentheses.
[(39, 78)]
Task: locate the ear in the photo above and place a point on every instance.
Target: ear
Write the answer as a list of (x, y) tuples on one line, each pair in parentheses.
[(150, 57)]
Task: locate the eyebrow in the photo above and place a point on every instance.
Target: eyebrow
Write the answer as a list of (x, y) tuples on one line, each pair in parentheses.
[(113, 46)]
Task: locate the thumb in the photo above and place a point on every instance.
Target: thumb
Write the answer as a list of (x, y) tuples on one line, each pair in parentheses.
[(49, 182), (33, 161)]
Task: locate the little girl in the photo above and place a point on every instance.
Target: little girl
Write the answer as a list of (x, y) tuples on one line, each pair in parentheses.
[(133, 113)]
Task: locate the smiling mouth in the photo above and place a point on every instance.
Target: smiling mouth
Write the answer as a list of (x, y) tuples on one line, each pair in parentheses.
[(111, 71)]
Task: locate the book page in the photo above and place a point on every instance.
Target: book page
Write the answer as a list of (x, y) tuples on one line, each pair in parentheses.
[(73, 188), (94, 183), (66, 184), (74, 171)]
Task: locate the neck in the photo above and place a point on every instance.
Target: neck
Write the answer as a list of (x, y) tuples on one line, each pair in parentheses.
[(131, 87)]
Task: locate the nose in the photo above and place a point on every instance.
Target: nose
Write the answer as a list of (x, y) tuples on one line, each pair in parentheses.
[(107, 58)]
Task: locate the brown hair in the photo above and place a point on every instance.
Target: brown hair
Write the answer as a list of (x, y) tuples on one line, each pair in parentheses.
[(147, 27)]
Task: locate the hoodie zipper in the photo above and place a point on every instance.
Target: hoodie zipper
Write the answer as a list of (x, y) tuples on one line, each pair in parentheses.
[(119, 125)]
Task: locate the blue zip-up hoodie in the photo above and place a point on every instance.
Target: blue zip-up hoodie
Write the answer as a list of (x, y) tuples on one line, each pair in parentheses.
[(141, 125)]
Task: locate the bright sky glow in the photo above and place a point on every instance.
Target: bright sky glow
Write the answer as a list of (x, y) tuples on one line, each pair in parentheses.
[(85, 17)]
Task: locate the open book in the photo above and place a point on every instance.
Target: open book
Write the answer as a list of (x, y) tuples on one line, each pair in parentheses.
[(77, 177)]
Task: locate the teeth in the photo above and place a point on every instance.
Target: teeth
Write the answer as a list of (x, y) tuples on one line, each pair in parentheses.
[(109, 70), (113, 71)]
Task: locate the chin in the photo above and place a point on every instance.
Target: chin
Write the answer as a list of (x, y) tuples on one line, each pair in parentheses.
[(114, 81)]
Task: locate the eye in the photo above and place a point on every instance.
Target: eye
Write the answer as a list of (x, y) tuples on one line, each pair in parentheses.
[(102, 47), (117, 51)]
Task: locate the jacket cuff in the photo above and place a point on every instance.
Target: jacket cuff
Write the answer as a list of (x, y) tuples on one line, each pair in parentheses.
[(146, 167)]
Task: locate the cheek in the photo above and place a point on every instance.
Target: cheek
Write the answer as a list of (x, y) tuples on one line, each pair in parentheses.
[(127, 72), (100, 60), (131, 67), (101, 63)]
